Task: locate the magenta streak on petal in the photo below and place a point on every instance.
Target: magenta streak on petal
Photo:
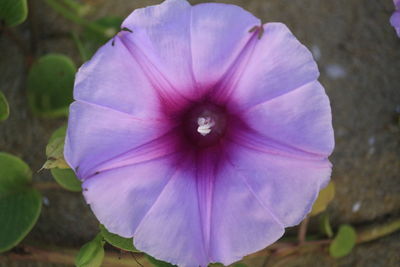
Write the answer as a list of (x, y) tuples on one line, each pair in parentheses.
[(162, 146), (262, 143), (160, 121), (262, 203), (226, 85), (207, 165), (160, 83)]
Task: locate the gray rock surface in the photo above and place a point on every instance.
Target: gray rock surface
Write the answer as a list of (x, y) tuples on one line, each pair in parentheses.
[(359, 57)]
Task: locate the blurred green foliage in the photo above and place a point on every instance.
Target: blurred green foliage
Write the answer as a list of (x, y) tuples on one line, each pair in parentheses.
[(13, 12), (344, 241), (20, 204), (118, 241), (50, 84), (91, 254), (4, 108)]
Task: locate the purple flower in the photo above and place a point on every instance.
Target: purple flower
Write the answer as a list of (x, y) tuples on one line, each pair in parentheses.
[(395, 19), (200, 132)]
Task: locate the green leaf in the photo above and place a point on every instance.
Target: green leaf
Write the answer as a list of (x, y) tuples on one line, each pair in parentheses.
[(50, 85), (324, 198), (59, 132), (4, 108), (343, 242), (20, 204), (325, 226), (118, 241), (56, 162), (159, 263), (67, 179), (13, 12), (55, 150), (239, 265), (91, 254)]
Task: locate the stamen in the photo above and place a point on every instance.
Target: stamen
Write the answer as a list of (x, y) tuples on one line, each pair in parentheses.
[(205, 125)]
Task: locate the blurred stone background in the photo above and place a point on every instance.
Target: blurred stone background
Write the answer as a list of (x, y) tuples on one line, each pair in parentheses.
[(358, 54)]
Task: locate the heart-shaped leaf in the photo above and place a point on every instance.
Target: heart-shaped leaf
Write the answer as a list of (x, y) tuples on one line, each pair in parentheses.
[(91, 254), (20, 204), (50, 85), (344, 241), (13, 12), (67, 179)]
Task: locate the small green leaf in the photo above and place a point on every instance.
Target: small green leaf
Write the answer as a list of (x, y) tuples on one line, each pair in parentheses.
[(118, 241), (239, 265), (50, 85), (343, 242), (20, 204), (325, 226), (91, 254), (13, 12), (159, 263), (67, 179), (55, 150), (4, 108), (324, 198)]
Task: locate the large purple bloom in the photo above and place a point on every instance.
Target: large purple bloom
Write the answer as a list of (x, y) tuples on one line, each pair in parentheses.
[(395, 18), (202, 133)]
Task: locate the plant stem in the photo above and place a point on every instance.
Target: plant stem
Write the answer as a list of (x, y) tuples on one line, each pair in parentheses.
[(77, 19), (303, 230), (370, 233), (44, 186), (60, 255), (67, 256)]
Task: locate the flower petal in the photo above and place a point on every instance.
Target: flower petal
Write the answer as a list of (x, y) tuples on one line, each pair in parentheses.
[(160, 43), (241, 223), (121, 197), (279, 64), (219, 32), (172, 231), (113, 79), (96, 134), (300, 119), (395, 21), (276, 180)]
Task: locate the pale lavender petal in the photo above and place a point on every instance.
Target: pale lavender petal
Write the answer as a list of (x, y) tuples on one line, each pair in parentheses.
[(172, 231), (241, 223), (288, 186), (160, 43), (121, 197), (96, 134), (278, 65), (300, 119), (119, 82), (219, 32), (395, 21)]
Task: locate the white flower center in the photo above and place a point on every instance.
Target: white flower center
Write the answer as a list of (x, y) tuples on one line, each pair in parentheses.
[(205, 125)]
